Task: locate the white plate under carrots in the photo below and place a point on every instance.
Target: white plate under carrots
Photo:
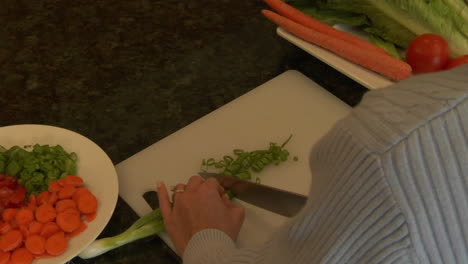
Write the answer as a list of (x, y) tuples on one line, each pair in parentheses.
[(94, 166), (365, 77)]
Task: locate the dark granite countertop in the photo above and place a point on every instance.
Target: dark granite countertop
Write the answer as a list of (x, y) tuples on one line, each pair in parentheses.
[(128, 73)]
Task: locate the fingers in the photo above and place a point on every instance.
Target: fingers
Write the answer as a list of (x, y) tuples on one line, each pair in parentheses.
[(164, 203), (213, 183), (177, 190), (227, 202), (194, 182)]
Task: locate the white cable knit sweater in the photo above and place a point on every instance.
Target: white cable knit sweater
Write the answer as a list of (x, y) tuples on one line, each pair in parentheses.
[(390, 185)]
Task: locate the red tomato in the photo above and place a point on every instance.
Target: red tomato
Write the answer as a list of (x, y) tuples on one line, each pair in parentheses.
[(457, 62), (428, 53), (11, 193)]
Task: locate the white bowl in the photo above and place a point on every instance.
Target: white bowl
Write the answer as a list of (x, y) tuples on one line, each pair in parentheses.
[(94, 166)]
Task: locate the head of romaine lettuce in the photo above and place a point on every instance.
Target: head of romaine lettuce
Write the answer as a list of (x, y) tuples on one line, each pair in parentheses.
[(400, 21)]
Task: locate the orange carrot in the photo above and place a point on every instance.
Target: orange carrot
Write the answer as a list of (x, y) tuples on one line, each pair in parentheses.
[(61, 182), (45, 213), (73, 180), (80, 192), (35, 244), (49, 229), (297, 16), (11, 240), (44, 255), (54, 186), (32, 202), (62, 205), (5, 227), (53, 198), (35, 227), (66, 192), (4, 257), (9, 214), (56, 244), (79, 230), (68, 222), (24, 216), (90, 217), (21, 256), (43, 198), (72, 211), (24, 230), (87, 203), (376, 61)]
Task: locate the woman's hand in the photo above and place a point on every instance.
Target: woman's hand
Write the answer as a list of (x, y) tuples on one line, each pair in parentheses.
[(197, 206)]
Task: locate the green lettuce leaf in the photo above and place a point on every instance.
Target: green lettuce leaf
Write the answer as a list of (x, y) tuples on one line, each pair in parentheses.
[(400, 21), (386, 45), (329, 16)]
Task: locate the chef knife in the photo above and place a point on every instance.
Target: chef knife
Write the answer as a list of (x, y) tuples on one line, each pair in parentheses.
[(272, 199)]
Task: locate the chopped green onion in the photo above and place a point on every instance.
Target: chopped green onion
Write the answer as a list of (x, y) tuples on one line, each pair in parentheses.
[(245, 162)]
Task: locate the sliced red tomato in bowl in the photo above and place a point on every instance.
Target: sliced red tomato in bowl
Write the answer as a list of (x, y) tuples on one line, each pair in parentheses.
[(428, 53)]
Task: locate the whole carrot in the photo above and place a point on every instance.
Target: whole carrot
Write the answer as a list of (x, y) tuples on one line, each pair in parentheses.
[(307, 21), (373, 60)]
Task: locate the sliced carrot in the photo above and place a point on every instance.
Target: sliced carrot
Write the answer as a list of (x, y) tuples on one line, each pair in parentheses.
[(24, 216), (79, 230), (24, 230), (32, 204), (49, 229), (56, 244), (61, 182), (87, 203), (73, 180), (35, 227), (44, 255), (297, 16), (68, 222), (43, 198), (62, 205), (32, 199), (53, 198), (80, 192), (9, 214), (45, 213), (4, 257), (72, 211), (66, 192), (376, 61), (11, 240), (35, 244), (90, 217), (5, 227), (21, 256), (54, 186)]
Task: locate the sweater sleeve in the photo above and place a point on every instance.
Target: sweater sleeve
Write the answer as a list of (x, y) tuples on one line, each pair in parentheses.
[(368, 204)]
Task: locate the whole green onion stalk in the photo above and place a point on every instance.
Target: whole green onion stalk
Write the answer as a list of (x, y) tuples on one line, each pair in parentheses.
[(146, 226)]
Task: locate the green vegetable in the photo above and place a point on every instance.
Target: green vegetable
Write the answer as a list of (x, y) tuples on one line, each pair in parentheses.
[(146, 226), (387, 46), (36, 168), (399, 21), (330, 17), (244, 163)]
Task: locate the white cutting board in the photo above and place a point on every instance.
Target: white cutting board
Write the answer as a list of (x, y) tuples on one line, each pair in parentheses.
[(288, 104)]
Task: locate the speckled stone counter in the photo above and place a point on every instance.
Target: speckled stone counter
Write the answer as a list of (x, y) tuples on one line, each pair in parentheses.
[(128, 73)]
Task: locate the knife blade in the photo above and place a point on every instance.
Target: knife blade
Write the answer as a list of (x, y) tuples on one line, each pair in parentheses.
[(272, 199)]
